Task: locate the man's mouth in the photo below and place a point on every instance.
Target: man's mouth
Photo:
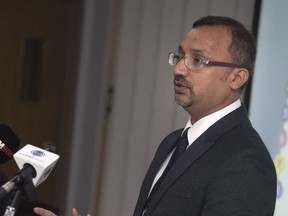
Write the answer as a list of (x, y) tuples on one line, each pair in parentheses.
[(179, 86)]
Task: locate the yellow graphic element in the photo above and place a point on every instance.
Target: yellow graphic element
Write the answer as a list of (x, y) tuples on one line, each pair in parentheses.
[(280, 163)]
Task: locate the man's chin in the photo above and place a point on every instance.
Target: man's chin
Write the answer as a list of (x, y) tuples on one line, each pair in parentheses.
[(183, 103)]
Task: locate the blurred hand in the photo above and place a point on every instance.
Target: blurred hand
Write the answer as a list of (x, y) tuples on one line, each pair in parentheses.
[(45, 212)]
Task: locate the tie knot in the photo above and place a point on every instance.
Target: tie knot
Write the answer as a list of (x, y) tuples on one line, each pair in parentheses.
[(183, 142), (185, 132)]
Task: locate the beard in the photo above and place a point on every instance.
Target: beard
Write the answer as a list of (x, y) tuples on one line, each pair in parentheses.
[(185, 103), (184, 100)]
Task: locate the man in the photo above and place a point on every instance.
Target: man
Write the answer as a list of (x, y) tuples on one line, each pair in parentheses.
[(224, 169)]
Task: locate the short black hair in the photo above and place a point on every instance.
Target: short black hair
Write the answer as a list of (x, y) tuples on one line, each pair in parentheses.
[(243, 45)]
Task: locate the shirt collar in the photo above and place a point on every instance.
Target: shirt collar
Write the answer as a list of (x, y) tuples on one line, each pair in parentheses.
[(204, 123)]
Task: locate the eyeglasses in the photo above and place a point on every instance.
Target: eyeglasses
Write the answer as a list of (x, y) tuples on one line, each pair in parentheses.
[(196, 63)]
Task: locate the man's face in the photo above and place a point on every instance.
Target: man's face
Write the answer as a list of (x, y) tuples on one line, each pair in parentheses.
[(206, 90)]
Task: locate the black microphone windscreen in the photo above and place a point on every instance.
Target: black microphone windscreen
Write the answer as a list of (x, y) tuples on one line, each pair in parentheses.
[(9, 143)]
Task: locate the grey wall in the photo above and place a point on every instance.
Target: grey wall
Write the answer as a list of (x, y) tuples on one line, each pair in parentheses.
[(89, 104)]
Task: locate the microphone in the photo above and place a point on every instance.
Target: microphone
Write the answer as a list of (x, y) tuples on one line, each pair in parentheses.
[(35, 165), (9, 143), (41, 160)]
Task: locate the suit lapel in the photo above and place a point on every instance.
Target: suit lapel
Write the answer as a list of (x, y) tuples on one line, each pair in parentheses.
[(198, 148), (166, 146)]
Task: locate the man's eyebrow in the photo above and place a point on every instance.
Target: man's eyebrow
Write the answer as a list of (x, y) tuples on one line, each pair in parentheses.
[(197, 51)]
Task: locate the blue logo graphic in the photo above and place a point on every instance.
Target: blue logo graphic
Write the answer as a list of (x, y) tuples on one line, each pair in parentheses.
[(38, 153)]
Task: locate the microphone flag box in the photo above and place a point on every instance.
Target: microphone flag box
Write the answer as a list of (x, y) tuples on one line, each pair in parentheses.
[(41, 160)]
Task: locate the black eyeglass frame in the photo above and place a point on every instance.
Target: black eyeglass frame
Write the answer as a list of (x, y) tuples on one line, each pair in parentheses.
[(205, 62)]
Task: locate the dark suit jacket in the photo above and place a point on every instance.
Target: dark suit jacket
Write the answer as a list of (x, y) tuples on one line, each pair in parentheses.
[(227, 171)]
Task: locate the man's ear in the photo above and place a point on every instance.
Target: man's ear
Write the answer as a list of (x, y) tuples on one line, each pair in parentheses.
[(239, 77)]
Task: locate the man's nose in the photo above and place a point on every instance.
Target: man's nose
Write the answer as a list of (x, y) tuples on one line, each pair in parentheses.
[(180, 69)]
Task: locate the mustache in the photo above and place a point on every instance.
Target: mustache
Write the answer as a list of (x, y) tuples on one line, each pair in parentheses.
[(181, 79)]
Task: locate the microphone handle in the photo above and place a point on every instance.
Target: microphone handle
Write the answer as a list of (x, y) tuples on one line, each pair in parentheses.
[(11, 209), (10, 185)]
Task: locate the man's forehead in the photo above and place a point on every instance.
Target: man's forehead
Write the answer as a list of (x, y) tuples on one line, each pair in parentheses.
[(199, 39), (191, 50)]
